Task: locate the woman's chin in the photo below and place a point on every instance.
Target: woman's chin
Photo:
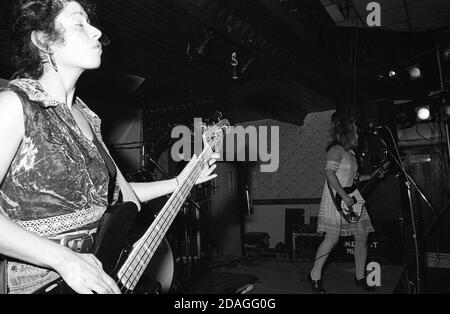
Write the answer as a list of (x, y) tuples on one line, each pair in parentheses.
[(94, 66)]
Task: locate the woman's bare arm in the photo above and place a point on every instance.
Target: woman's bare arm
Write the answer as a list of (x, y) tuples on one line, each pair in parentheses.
[(82, 272), (334, 182), (146, 191)]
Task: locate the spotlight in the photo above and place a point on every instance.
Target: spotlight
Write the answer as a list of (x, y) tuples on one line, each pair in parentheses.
[(414, 72), (423, 113), (392, 73)]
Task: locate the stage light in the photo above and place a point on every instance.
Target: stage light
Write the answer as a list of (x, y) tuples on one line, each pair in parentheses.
[(414, 72), (447, 54), (446, 110), (423, 113), (392, 73)]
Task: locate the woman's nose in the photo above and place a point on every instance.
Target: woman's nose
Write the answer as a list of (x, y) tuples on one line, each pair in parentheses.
[(96, 33)]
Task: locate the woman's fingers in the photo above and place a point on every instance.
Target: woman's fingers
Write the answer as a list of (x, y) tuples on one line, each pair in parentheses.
[(211, 162), (112, 284), (93, 277), (206, 172), (206, 175), (210, 169), (84, 290), (99, 287), (201, 180), (107, 282), (103, 284)]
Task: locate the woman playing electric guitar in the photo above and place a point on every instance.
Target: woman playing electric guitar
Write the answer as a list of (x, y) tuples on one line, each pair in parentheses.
[(340, 170), (56, 174)]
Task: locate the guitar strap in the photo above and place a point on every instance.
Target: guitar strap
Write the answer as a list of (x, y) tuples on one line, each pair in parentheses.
[(338, 208)]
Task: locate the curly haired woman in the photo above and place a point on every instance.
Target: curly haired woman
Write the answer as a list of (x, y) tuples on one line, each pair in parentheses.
[(56, 174)]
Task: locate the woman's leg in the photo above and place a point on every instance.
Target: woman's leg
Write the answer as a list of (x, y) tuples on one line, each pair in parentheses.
[(322, 254), (360, 255)]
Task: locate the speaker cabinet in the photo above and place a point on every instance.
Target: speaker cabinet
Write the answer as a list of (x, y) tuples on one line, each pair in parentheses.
[(384, 201)]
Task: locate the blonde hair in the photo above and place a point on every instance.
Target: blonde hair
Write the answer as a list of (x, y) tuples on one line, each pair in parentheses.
[(342, 132)]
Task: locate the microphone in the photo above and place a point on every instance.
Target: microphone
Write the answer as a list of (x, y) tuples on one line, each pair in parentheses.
[(370, 130)]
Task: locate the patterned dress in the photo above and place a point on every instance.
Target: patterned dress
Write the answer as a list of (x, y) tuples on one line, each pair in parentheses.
[(330, 220), (58, 181)]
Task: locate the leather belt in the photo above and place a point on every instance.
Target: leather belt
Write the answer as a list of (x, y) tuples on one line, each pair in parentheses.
[(79, 241)]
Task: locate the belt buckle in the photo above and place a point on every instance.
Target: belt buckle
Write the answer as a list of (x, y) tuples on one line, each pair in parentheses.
[(80, 243)]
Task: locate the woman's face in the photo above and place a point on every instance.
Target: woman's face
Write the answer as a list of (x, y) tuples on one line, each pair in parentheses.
[(81, 48)]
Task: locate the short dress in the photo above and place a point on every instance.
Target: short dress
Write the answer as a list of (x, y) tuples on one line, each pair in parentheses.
[(330, 220)]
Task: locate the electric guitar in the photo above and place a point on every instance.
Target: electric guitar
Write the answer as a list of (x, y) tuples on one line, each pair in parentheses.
[(352, 213), (150, 255)]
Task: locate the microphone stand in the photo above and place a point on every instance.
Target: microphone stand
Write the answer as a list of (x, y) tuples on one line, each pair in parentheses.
[(408, 182), (447, 139)]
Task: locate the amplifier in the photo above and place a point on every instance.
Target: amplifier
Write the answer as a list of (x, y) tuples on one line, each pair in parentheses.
[(306, 229), (256, 240)]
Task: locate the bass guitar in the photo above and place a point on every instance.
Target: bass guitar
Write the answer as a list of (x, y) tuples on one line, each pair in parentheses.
[(126, 263)]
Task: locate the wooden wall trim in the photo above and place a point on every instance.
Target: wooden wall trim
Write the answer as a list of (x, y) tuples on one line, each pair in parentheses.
[(286, 201)]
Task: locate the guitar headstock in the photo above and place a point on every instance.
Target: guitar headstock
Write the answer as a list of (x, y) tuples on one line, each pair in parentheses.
[(213, 134)]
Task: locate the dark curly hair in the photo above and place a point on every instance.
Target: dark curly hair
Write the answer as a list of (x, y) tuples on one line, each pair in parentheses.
[(38, 15), (342, 132)]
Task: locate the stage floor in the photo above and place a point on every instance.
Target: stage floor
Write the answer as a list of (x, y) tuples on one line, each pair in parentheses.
[(269, 276)]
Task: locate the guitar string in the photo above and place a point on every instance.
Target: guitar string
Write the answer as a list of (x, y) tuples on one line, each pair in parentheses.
[(129, 275), (165, 218), (132, 277), (142, 266), (204, 155)]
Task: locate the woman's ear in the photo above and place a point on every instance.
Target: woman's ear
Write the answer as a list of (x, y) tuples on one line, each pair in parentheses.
[(39, 40)]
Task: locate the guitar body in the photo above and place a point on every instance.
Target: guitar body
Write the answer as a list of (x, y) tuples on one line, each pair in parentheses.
[(351, 214), (111, 247)]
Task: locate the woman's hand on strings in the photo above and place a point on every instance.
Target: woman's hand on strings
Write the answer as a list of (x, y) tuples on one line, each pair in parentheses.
[(84, 274), (206, 173), (348, 201)]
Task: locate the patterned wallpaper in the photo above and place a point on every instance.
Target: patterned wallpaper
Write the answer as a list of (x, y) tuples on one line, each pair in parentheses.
[(302, 158)]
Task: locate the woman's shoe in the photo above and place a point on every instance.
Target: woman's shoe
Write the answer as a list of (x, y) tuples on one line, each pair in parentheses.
[(316, 285), (362, 283)]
